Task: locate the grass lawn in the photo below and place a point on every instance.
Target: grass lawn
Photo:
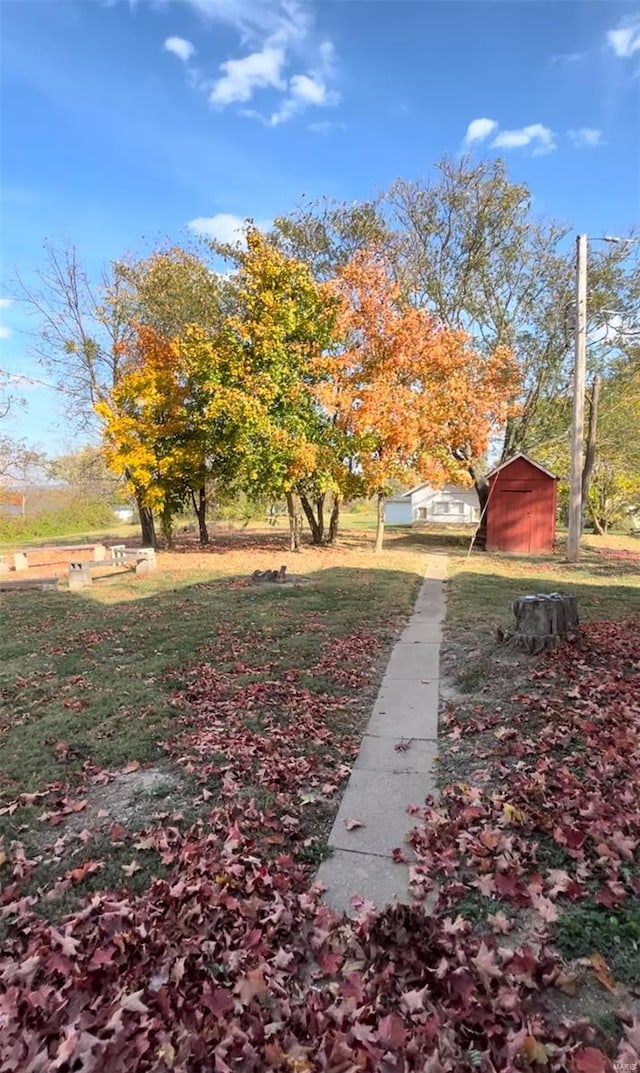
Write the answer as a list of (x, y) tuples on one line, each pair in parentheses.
[(95, 682), (606, 581)]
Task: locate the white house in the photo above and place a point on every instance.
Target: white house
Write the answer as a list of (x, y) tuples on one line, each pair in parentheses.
[(452, 504), (124, 514)]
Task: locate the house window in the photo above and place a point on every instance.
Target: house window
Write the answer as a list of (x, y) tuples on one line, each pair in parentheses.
[(441, 506)]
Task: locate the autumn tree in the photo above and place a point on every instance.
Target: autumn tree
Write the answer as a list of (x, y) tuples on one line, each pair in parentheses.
[(179, 414), (278, 334), (415, 396)]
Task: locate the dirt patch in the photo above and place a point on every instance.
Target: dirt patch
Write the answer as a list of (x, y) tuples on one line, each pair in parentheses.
[(130, 799)]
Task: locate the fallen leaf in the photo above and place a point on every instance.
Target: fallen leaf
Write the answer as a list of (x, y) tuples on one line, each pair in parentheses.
[(602, 972), (566, 982), (535, 1051), (351, 824), (392, 1032), (589, 1060), (132, 1002), (512, 814), (251, 986)]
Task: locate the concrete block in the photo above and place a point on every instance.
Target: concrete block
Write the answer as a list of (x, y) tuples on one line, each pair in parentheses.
[(29, 584), (20, 561), (380, 800), (99, 553), (79, 576), (406, 709), (380, 754), (414, 662), (421, 631), (143, 567), (377, 879), (147, 555)]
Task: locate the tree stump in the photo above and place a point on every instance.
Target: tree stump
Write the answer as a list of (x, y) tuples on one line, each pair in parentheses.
[(273, 576), (543, 621)]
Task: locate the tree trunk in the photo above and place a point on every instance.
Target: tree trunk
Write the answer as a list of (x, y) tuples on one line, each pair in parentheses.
[(200, 507), (166, 521), (320, 513), (482, 491), (316, 525), (380, 524), (543, 621), (147, 525), (294, 528), (590, 452), (334, 521)]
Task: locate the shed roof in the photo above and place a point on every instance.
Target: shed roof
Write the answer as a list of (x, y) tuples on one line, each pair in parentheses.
[(526, 458)]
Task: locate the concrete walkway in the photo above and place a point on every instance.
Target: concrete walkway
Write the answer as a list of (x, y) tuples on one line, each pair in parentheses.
[(384, 780)]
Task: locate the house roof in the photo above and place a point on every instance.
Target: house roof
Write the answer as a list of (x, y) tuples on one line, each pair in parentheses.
[(526, 458), (406, 495), (401, 496)]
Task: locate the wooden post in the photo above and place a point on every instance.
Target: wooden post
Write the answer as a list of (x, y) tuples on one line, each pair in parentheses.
[(577, 435)]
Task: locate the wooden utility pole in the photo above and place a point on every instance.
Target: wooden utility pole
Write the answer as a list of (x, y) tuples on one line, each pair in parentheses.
[(577, 435)]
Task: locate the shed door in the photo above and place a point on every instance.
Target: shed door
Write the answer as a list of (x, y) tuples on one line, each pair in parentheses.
[(517, 520)]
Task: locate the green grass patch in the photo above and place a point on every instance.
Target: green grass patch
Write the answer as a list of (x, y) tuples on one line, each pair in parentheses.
[(90, 678), (476, 907), (483, 586), (614, 933)]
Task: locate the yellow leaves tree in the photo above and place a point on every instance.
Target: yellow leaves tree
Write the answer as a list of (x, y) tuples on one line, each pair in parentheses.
[(235, 403), (278, 337)]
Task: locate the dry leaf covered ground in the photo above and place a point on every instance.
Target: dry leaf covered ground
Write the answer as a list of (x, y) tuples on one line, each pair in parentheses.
[(172, 754)]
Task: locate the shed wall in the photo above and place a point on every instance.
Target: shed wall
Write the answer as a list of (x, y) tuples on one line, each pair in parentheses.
[(522, 509)]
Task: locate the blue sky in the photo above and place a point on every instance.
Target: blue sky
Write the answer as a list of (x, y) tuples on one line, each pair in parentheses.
[(127, 121)]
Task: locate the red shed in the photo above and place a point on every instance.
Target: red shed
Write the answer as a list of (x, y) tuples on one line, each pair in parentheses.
[(521, 511)]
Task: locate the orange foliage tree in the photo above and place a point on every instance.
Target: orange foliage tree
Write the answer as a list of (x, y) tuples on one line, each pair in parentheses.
[(415, 396)]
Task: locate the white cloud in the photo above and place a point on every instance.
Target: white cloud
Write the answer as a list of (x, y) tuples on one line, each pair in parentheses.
[(308, 89), (625, 39), (328, 57), (242, 77), (585, 137), (325, 126), (5, 332), (304, 90), (569, 57), (181, 48), (5, 303), (255, 19), (539, 137), (276, 35), (224, 226), (479, 129)]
